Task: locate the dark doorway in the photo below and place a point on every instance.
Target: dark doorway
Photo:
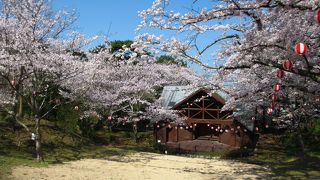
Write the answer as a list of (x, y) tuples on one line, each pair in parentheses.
[(203, 130)]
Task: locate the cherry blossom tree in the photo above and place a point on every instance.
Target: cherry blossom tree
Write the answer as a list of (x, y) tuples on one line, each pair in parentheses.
[(121, 80), (253, 38), (34, 59)]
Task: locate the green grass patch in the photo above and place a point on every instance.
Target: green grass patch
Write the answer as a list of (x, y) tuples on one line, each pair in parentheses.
[(284, 162), (16, 148), (8, 162)]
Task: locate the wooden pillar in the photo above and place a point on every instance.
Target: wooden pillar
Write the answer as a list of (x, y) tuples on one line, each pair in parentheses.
[(193, 132), (166, 134), (177, 134), (203, 108), (155, 130), (235, 137)]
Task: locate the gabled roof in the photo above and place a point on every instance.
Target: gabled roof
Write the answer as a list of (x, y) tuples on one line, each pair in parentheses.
[(216, 96), (173, 95)]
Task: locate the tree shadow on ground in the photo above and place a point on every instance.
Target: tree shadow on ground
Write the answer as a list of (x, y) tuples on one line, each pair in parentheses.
[(284, 164)]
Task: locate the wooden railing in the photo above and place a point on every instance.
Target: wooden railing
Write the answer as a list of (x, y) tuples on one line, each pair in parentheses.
[(190, 121), (213, 113)]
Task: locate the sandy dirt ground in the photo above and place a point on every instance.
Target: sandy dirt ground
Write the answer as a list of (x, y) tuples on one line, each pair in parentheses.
[(142, 166)]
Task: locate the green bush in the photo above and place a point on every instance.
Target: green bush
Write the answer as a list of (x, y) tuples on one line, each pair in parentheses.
[(116, 45), (159, 147), (111, 137), (316, 129), (128, 134), (87, 126), (67, 119)]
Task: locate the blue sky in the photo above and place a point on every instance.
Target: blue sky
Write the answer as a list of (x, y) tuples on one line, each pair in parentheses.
[(116, 19)]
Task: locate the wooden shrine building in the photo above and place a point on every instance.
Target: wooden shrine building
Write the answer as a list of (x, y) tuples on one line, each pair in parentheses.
[(203, 123)]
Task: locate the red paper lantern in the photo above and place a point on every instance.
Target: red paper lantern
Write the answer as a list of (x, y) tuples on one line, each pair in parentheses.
[(277, 87), (287, 65), (301, 48), (269, 110), (13, 82), (317, 16), (274, 98), (280, 73)]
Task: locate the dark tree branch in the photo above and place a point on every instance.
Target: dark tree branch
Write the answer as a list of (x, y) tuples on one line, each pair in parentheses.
[(218, 40)]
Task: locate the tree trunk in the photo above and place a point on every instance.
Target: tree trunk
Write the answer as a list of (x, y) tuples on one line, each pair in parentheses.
[(303, 149), (300, 139), (20, 111), (38, 140), (135, 131)]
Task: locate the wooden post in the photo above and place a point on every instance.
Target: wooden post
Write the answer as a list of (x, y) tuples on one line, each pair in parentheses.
[(193, 132), (235, 138), (165, 134), (156, 133), (178, 134), (203, 109), (38, 139)]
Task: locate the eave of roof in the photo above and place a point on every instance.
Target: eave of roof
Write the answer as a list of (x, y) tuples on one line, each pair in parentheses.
[(216, 96)]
